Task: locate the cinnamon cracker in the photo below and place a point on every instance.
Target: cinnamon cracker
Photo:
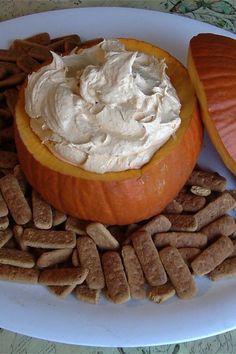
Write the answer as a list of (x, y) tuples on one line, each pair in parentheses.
[(83, 293), (37, 51), (134, 273), (212, 256), (16, 258), (42, 212), (233, 254), (182, 222), (190, 202), (75, 258), (42, 38), (18, 173), (159, 223), (15, 199), (117, 285), (8, 159), (180, 239), (89, 258), (76, 225), (50, 258), (62, 291), (63, 276), (207, 179), (178, 273), (174, 207), (12, 80), (161, 293), (49, 238), (149, 258), (101, 236), (57, 217), (4, 223), (5, 236), (18, 274), (212, 211), (225, 225), (3, 206), (27, 64), (18, 235), (189, 254), (226, 269)]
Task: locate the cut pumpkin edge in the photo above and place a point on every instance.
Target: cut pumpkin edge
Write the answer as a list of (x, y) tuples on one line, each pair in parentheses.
[(229, 162)]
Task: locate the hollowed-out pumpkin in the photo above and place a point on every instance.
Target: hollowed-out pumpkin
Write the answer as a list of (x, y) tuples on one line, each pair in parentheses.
[(212, 68), (120, 197)]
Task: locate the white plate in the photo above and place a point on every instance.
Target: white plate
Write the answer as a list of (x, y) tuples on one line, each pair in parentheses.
[(32, 310)]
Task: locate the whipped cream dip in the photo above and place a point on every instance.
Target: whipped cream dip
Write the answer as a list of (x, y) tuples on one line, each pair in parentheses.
[(103, 108)]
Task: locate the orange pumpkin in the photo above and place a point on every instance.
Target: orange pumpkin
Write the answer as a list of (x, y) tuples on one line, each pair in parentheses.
[(120, 197), (212, 68)]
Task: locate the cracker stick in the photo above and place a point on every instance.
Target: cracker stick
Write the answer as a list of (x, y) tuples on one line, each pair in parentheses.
[(182, 222), (57, 217), (27, 64), (134, 273), (18, 235), (3, 206), (15, 200), (8, 159), (18, 274), (188, 254), (180, 239), (89, 258), (178, 273), (226, 269), (212, 211), (161, 293), (63, 276), (75, 258), (76, 225), (212, 256), (62, 291), (5, 236), (225, 225), (117, 285), (190, 202), (13, 80), (49, 238), (42, 212), (16, 258), (18, 173), (174, 207), (101, 236), (159, 223), (233, 254), (4, 223), (83, 293), (149, 258), (48, 259), (206, 179), (42, 38)]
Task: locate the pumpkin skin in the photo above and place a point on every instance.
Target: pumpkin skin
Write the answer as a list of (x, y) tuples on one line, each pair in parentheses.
[(212, 68), (120, 197)]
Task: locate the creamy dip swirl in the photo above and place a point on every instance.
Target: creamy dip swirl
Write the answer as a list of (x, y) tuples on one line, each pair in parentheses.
[(103, 108)]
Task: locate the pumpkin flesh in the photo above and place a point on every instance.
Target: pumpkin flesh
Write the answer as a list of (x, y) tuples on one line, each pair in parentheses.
[(120, 197)]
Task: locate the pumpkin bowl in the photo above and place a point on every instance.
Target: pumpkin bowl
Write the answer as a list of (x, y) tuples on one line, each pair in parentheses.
[(116, 197), (212, 68)]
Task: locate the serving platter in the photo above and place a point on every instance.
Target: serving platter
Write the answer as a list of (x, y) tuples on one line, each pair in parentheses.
[(34, 311)]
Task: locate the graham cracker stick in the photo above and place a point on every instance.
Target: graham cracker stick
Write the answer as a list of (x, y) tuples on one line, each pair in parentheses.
[(149, 258), (75, 258), (49, 238), (57, 217), (190, 202), (4, 223), (48, 259), (18, 173), (180, 239), (18, 234), (62, 291), (18, 274), (76, 225), (225, 225), (134, 273), (233, 254), (161, 293), (206, 179), (182, 222), (89, 258), (5, 236), (3, 206), (16, 258), (159, 223), (178, 273), (116, 281), (188, 254), (15, 199), (42, 212), (63, 276), (212, 211), (226, 269), (83, 293), (39, 38), (174, 207), (101, 236), (212, 256)]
